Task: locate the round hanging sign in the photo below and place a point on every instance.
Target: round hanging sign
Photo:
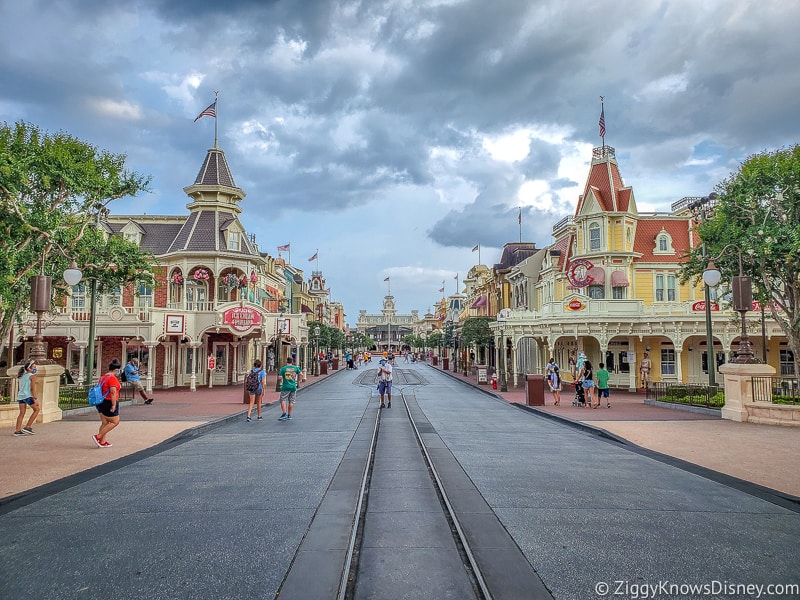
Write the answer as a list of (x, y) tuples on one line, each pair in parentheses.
[(578, 272)]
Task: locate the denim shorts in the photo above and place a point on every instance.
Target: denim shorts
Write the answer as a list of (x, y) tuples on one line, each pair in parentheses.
[(588, 384), (29, 401)]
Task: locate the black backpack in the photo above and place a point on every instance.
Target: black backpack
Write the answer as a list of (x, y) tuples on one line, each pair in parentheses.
[(123, 376), (253, 380)]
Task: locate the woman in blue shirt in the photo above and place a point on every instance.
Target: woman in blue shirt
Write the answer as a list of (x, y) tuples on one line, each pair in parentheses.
[(27, 397)]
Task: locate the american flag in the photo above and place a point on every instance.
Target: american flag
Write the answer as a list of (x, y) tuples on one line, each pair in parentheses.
[(476, 247), (602, 122), (284, 248), (387, 279), (211, 111), (313, 258), (519, 217), (441, 290)]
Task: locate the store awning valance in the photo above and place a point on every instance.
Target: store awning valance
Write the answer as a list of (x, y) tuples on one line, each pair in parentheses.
[(598, 274), (481, 301), (619, 279), (305, 309), (265, 295)]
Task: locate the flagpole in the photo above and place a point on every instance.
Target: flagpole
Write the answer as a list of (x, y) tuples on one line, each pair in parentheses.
[(479, 254), (519, 220), (603, 123), (317, 257), (216, 118)]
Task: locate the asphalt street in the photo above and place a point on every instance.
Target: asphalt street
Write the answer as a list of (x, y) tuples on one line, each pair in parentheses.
[(228, 512)]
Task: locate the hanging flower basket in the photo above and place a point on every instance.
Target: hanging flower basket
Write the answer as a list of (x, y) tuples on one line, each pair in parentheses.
[(177, 277), (243, 283), (200, 274), (253, 277), (230, 280)]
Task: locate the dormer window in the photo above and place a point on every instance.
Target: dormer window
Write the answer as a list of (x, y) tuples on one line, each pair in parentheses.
[(663, 243), (234, 240), (132, 233)]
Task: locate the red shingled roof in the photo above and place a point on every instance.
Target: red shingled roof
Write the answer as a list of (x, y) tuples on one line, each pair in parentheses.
[(605, 184), (648, 230)]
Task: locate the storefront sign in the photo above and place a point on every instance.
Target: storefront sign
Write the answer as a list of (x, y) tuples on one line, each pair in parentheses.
[(575, 304), (241, 318), (578, 272), (701, 306), (483, 374)]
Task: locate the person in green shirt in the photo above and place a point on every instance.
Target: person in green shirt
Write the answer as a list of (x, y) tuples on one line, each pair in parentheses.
[(602, 386), (289, 375)]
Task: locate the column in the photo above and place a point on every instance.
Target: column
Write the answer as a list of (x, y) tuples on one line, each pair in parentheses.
[(151, 367), (193, 346), (82, 365)]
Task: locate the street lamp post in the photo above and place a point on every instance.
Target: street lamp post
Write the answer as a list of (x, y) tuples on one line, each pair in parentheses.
[(316, 351), (278, 351), (423, 337), (503, 385), (700, 210), (742, 289)]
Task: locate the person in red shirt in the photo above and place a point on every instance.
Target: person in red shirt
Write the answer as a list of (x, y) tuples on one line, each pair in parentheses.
[(109, 408)]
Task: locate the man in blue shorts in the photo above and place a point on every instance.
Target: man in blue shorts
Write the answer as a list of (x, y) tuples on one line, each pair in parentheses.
[(385, 382)]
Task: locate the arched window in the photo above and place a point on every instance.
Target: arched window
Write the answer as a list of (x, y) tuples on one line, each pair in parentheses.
[(176, 283)]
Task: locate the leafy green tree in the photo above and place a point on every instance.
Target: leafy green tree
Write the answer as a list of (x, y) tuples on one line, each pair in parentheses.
[(475, 331), (757, 218), (448, 334), (434, 340), (51, 186)]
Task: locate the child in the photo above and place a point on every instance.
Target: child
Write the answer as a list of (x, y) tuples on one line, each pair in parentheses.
[(554, 379), (27, 397), (602, 385)]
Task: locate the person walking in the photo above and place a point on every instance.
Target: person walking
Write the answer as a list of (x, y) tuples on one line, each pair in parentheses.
[(554, 380), (271, 360), (586, 376), (385, 383), (255, 383), (27, 397), (109, 408), (602, 385), (132, 376), (289, 376), (573, 366)]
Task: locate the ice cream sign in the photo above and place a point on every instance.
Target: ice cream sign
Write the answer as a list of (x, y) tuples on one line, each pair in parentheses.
[(241, 318)]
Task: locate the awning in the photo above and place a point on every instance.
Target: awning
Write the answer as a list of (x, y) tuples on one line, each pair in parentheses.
[(619, 279), (265, 295), (481, 301), (598, 274), (305, 309)]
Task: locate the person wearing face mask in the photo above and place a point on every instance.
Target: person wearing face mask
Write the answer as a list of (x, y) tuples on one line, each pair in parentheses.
[(27, 397)]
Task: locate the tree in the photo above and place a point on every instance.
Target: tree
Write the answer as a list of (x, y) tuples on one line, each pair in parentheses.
[(475, 331), (757, 214), (51, 186)]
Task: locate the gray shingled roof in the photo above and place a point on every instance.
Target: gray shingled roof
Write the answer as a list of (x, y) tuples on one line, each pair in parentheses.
[(215, 170)]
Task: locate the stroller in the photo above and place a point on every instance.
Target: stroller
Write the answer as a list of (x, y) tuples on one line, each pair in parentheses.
[(580, 395)]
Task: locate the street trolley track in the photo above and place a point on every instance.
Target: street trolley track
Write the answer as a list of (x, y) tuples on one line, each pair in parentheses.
[(349, 583)]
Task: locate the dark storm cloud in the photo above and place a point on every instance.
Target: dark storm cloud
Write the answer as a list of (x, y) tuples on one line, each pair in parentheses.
[(492, 225)]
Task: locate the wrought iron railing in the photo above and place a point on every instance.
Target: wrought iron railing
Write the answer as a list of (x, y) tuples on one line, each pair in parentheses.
[(777, 390), (689, 394)]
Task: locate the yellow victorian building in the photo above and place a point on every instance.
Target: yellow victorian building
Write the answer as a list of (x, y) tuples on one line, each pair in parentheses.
[(609, 287)]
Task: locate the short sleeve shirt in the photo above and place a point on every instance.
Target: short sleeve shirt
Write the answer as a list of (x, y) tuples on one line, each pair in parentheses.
[(602, 379), (288, 375)]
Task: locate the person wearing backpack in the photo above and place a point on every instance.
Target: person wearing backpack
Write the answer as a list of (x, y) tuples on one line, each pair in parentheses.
[(109, 408), (255, 383)]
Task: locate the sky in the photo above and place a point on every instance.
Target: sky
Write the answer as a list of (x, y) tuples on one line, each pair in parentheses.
[(393, 136)]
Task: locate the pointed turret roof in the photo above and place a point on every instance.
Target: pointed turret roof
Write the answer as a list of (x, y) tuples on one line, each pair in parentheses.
[(605, 184), (215, 170)]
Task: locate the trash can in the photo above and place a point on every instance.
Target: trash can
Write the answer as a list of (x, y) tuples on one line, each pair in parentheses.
[(323, 367), (335, 364), (534, 390), (435, 360), (445, 364)]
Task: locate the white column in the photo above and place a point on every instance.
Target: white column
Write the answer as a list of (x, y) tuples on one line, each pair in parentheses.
[(193, 346), (151, 366)]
